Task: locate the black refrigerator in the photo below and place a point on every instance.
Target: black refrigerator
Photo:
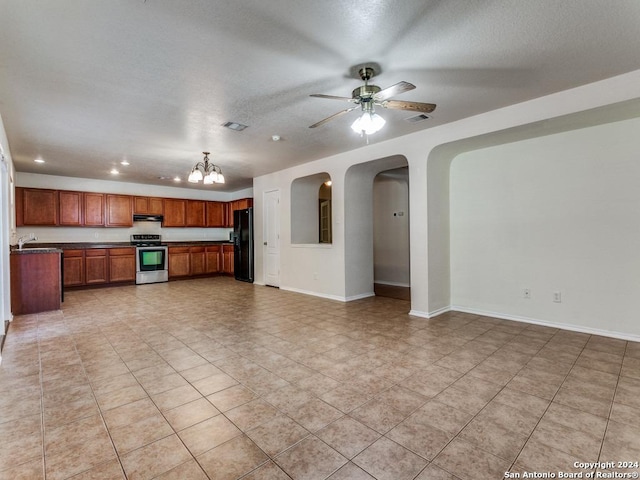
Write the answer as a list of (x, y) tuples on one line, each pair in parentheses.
[(243, 244)]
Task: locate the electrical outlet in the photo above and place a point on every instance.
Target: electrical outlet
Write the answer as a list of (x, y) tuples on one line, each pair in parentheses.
[(526, 293), (557, 297)]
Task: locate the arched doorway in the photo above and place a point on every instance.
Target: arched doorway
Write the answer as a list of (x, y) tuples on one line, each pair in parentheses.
[(359, 223)]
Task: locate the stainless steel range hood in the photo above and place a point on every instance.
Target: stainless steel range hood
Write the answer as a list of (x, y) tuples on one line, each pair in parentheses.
[(147, 218)]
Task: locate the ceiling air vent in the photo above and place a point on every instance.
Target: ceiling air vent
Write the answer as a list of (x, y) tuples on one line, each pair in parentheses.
[(418, 118), (238, 127)]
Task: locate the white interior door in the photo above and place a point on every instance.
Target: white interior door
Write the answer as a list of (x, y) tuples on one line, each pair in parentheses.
[(272, 238)]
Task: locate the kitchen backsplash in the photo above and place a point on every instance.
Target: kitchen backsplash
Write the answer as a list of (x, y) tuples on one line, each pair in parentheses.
[(106, 235)]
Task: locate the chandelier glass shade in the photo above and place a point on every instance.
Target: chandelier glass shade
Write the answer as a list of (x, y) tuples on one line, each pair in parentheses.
[(206, 172)]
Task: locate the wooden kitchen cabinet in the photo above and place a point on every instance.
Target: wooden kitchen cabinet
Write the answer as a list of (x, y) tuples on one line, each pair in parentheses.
[(94, 209), (39, 207), (35, 282), (179, 262), (196, 213), (71, 209), (216, 214), (148, 205), (95, 265), (19, 204), (79, 209), (118, 211), (175, 212), (122, 264), (237, 205), (227, 259), (197, 258), (213, 258), (73, 267)]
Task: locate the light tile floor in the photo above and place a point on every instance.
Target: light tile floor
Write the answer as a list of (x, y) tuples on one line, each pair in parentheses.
[(220, 379)]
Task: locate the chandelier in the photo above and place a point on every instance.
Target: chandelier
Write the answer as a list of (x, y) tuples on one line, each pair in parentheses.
[(207, 172)]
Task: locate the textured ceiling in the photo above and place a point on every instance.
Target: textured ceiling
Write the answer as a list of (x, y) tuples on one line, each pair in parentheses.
[(85, 84)]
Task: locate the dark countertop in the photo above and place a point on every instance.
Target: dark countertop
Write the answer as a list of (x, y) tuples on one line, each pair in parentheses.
[(36, 250), (82, 245)]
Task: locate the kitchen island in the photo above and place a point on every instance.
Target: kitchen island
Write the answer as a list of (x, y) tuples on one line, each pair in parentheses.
[(36, 283)]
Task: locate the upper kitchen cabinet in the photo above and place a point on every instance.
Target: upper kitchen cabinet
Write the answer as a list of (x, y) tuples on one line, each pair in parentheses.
[(147, 205), (71, 212), (19, 199), (237, 205), (216, 214), (119, 211), (39, 207), (79, 209), (94, 207), (175, 212), (196, 213)]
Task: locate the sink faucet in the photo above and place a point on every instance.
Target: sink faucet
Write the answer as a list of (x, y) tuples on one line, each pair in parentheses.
[(26, 239)]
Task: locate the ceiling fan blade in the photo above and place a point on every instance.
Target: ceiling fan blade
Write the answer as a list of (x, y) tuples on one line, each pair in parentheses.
[(335, 115), (331, 97), (413, 106), (393, 90)]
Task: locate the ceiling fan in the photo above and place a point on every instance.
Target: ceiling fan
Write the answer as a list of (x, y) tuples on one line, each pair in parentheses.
[(368, 96)]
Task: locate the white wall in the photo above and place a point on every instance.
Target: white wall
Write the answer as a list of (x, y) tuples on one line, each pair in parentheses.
[(391, 228), (342, 271), (558, 213)]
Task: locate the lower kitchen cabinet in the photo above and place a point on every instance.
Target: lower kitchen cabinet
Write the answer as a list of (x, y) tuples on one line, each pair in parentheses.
[(95, 265), (198, 260), (73, 266), (105, 266), (179, 262), (227, 259), (213, 258), (122, 265)]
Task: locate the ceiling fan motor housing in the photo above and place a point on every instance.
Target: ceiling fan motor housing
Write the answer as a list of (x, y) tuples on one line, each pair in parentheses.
[(365, 93)]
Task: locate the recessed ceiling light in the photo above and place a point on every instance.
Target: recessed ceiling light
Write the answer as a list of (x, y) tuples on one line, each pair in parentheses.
[(275, 138), (328, 183), (177, 179), (238, 127), (39, 160), (114, 171), (124, 162)]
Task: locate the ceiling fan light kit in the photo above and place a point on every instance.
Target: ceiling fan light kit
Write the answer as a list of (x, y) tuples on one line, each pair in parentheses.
[(368, 123), (368, 96), (206, 172)]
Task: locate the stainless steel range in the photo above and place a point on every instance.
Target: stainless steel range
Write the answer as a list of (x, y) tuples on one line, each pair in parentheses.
[(152, 259)]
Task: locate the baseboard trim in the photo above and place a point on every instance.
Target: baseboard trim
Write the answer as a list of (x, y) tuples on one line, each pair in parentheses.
[(329, 297), (392, 284), (564, 326), (359, 297), (435, 313)]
